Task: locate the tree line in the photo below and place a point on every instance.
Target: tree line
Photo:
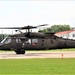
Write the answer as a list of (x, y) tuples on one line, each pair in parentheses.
[(56, 28)]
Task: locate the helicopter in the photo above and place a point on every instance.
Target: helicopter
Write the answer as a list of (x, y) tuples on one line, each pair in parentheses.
[(33, 40)]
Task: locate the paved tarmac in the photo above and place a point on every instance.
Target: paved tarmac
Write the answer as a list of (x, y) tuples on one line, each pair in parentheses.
[(38, 54)]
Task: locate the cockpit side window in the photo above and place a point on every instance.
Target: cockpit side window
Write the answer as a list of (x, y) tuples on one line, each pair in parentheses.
[(6, 41), (28, 41), (3, 40), (34, 41)]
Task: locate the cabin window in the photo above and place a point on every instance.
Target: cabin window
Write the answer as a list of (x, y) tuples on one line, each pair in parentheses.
[(35, 41), (28, 41), (73, 35), (18, 41)]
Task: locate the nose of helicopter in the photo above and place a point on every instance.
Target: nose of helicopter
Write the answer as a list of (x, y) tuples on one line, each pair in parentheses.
[(1, 45)]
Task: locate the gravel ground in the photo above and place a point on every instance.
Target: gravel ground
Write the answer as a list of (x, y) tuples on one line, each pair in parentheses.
[(38, 54)]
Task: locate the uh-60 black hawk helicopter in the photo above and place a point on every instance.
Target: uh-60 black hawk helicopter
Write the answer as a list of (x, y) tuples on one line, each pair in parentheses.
[(33, 41)]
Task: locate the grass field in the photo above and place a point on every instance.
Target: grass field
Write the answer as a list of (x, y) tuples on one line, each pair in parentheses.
[(67, 49), (37, 66)]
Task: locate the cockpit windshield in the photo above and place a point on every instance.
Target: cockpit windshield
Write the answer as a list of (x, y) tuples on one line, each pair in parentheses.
[(6, 41)]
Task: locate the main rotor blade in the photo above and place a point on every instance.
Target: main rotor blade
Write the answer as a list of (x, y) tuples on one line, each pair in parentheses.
[(25, 27), (39, 25), (31, 27), (10, 27), (42, 25)]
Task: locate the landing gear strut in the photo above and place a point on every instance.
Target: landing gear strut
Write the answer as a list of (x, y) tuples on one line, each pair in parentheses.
[(20, 51)]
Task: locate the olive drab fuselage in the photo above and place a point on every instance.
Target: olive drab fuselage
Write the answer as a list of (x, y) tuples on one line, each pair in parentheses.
[(35, 41)]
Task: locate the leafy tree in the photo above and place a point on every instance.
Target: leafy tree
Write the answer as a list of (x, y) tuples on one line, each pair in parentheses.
[(56, 28)]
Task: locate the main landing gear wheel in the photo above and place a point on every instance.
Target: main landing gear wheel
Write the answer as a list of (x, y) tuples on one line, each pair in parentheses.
[(20, 52), (23, 52)]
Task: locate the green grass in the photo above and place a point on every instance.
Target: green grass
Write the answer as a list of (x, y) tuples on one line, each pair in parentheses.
[(37, 66), (67, 49)]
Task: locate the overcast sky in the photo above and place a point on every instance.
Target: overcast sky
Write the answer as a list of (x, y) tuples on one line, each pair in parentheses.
[(22, 13)]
